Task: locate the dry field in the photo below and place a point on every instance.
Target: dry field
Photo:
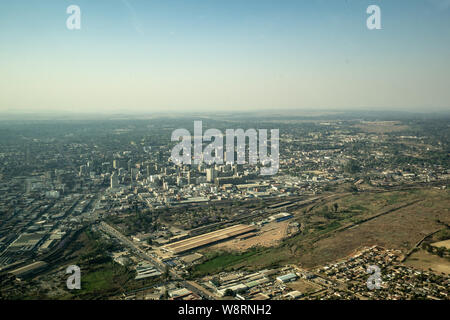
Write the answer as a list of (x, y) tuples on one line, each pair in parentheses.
[(423, 260), (445, 244), (399, 220), (304, 286), (382, 126), (400, 229), (270, 235)]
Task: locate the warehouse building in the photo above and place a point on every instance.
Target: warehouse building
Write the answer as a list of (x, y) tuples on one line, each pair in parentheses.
[(208, 239), (280, 217), (146, 270), (287, 277)]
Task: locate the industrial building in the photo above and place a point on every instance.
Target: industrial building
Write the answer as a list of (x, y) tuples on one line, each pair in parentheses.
[(280, 217), (287, 277), (146, 270), (208, 239)]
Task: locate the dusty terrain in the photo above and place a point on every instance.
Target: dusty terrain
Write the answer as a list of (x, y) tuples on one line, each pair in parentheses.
[(445, 244), (269, 235), (400, 229), (423, 260)]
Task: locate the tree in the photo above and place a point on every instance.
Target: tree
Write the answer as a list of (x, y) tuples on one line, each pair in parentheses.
[(215, 281), (166, 273), (335, 206), (229, 293), (440, 251), (352, 166)]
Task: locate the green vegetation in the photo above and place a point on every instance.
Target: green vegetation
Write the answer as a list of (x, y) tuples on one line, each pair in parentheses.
[(443, 235), (138, 221), (102, 281), (352, 166), (439, 251), (329, 227), (220, 261)]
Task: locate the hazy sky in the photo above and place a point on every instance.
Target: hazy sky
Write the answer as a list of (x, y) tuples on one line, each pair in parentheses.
[(147, 56)]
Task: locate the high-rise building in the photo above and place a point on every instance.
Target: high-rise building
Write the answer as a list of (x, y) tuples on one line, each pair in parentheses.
[(83, 170), (114, 180), (28, 186), (210, 174), (235, 170)]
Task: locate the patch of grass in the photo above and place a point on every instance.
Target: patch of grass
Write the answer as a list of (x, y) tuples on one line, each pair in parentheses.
[(105, 280), (357, 207), (97, 280), (221, 261), (329, 227), (442, 235)]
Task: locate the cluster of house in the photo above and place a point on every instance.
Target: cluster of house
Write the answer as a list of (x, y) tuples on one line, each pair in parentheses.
[(397, 281)]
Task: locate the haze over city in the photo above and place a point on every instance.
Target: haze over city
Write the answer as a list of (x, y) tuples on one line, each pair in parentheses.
[(165, 56)]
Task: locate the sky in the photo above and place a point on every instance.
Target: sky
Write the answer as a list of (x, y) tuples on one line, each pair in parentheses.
[(224, 55)]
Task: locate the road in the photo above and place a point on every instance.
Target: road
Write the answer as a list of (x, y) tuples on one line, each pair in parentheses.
[(158, 265)]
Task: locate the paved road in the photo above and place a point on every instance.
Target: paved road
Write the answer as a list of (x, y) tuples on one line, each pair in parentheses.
[(128, 243), (159, 265)]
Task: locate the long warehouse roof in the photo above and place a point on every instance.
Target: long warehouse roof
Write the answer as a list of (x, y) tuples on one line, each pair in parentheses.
[(207, 238)]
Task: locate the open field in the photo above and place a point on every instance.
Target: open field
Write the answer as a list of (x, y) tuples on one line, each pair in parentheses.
[(304, 286), (445, 244), (423, 260), (220, 261), (397, 229), (396, 220), (382, 126), (270, 235)]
